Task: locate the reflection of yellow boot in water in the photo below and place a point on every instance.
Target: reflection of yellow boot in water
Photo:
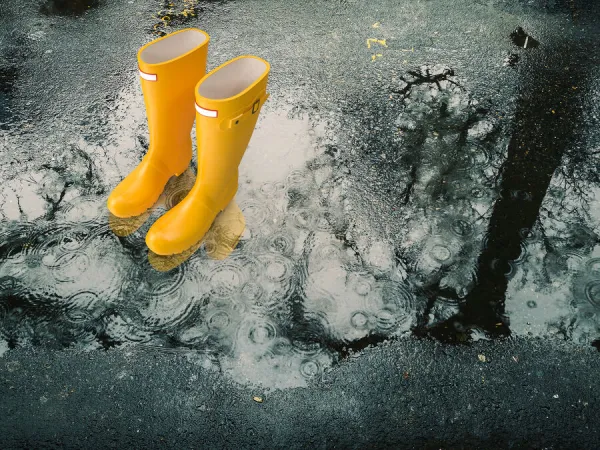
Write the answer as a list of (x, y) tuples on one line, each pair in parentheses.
[(228, 102), (220, 241), (170, 67), (125, 226), (225, 233)]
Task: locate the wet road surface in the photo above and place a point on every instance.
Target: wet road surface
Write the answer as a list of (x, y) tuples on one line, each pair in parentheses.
[(529, 393), (424, 170)]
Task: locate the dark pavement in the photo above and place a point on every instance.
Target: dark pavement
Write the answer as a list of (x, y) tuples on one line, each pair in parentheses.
[(409, 394)]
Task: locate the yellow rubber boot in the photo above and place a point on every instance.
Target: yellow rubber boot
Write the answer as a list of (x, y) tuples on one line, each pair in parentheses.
[(169, 67), (228, 102)]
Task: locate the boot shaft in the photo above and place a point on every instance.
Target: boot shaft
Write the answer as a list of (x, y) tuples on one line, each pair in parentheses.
[(228, 103), (170, 68)]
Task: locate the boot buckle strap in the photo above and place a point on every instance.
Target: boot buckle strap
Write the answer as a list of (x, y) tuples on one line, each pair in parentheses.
[(255, 106), (245, 115)]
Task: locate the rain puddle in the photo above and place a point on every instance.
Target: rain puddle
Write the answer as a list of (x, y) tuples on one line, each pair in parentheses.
[(272, 296), (407, 204)]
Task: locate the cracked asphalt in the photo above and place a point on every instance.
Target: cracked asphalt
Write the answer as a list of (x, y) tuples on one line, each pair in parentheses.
[(419, 262)]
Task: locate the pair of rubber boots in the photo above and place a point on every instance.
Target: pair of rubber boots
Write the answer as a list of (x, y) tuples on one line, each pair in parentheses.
[(225, 104)]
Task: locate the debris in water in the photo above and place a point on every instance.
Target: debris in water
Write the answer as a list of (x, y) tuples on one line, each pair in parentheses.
[(522, 39), (257, 399), (481, 358), (376, 41)]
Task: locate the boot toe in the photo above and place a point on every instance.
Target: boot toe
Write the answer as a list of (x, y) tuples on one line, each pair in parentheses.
[(165, 237), (117, 205), (179, 229), (130, 198), (124, 206), (159, 242)]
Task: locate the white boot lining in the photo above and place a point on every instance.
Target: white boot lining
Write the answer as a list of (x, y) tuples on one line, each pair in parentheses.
[(232, 79), (172, 47)]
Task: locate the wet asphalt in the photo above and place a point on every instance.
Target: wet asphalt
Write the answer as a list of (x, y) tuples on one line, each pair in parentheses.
[(409, 394), (419, 265)]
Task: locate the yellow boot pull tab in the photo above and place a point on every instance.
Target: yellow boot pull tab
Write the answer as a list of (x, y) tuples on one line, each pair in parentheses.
[(246, 114)]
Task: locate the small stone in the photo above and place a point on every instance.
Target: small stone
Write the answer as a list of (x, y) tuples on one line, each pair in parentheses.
[(257, 399), (481, 358)]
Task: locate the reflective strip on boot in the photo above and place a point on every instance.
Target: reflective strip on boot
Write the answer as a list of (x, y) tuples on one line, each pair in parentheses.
[(206, 112), (148, 76)]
